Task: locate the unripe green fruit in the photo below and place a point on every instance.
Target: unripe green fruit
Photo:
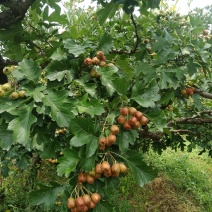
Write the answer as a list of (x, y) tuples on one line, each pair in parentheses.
[(6, 87), (7, 70), (2, 92), (14, 95), (22, 93)]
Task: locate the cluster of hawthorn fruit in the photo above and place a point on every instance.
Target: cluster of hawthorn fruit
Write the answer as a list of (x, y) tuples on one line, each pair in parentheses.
[(188, 91), (7, 87), (84, 199), (131, 118), (98, 61)]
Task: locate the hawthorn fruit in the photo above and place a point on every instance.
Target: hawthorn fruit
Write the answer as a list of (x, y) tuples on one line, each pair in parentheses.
[(124, 111), (123, 168), (2, 92), (7, 70), (71, 203), (98, 168), (127, 126), (95, 197), (6, 87), (22, 93), (205, 32), (138, 115), (132, 111), (95, 61), (114, 129), (88, 61), (92, 205), (121, 119), (14, 95), (105, 166), (82, 177), (144, 120), (100, 55)]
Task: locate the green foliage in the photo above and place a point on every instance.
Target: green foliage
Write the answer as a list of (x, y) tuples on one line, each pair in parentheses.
[(146, 61)]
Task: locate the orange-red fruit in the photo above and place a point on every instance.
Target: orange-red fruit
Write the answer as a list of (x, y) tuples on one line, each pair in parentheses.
[(92, 205), (92, 73), (108, 173), (100, 55), (95, 197), (74, 209), (114, 129), (102, 63), (102, 141), (132, 111), (97, 176), (88, 61), (127, 126), (183, 92), (115, 168), (121, 119), (98, 168), (105, 166), (90, 179), (137, 125), (189, 91), (144, 120), (95, 60), (80, 202), (123, 168), (101, 147), (111, 139), (87, 199), (124, 111), (71, 203), (132, 121), (82, 178), (138, 115), (107, 141), (205, 32)]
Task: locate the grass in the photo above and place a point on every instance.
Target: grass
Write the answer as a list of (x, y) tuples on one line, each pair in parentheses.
[(184, 184)]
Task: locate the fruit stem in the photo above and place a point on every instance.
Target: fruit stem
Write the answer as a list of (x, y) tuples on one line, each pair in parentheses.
[(118, 155)]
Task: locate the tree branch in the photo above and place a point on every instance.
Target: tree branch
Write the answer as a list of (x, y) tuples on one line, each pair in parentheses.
[(15, 13), (190, 120), (132, 51), (203, 93)]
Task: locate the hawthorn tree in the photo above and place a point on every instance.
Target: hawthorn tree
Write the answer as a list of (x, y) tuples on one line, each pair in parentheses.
[(92, 90)]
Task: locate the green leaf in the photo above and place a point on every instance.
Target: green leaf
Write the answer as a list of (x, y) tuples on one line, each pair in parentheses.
[(45, 195), (62, 110), (103, 207), (149, 98), (107, 78), (68, 162), (30, 69), (58, 70), (6, 139), (107, 12), (74, 48), (36, 93), (58, 55), (141, 171), (143, 69), (89, 87), (105, 43), (118, 85), (87, 164), (124, 138), (125, 68), (84, 132), (92, 107), (21, 125)]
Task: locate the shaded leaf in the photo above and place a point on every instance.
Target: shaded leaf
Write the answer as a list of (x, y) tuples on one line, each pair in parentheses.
[(68, 162)]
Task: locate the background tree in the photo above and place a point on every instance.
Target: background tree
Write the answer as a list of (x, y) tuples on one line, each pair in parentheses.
[(75, 77)]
